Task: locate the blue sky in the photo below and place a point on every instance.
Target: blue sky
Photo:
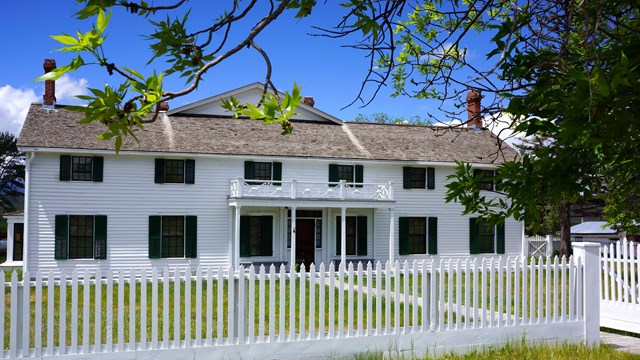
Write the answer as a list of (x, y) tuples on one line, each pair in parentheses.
[(332, 74)]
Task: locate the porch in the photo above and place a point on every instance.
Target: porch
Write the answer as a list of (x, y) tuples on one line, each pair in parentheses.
[(306, 222)]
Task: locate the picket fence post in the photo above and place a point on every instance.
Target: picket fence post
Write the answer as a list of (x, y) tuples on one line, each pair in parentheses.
[(590, 254)]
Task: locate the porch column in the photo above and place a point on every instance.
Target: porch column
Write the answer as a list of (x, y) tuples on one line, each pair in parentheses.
[(236, 239), (10, 240), (343, 237), (292, 260), (392, 223)]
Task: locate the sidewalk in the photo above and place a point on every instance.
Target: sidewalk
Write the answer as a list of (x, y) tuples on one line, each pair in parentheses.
[(621, 342)]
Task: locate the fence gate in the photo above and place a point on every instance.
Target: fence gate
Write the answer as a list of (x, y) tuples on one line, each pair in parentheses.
[(620, 300)]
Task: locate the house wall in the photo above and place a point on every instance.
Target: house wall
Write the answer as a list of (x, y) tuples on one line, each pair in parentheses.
[(128, 196)]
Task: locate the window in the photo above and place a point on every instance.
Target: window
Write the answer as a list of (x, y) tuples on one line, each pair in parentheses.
[(81, 168), (487, 179), (485, 238), (418, 178), (418, 235), (263, 172), (352, 174), (256, 236), (80, 237), (356, 239), (175, 171), (173, 236), (18, 240)]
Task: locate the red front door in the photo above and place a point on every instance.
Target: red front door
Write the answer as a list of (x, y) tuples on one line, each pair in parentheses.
[(305, 241)]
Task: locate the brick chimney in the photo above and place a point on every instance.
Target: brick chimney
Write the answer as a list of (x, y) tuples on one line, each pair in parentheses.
[(308, 100), (473, 102), (49, 85), (163, 106)]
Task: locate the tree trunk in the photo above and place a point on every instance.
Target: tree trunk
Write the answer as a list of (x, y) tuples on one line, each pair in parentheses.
[(565, 230)]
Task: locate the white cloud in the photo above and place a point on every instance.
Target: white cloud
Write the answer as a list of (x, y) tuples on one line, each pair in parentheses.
[(67, 88), (14, 103)]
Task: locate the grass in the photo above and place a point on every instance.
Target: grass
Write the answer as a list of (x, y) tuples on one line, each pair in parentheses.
[(517, 351)]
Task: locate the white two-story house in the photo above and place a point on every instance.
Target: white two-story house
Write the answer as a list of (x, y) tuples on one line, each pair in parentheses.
[(201, 188)]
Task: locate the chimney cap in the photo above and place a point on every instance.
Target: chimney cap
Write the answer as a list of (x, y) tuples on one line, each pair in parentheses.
[(49, 65), (474, 95), (308, 100), (163, 106)]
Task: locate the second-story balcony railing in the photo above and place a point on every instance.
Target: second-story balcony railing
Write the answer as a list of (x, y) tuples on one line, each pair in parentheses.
[(294, 189)]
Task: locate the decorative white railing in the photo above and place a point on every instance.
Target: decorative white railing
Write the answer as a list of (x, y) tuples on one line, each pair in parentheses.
[(294, 189)]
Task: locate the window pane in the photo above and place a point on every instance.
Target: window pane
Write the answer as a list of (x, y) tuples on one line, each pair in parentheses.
[(172, 236), (417, 235), (318, 233), (81, 168), (345, 172), (257, 237), (487, 237), (418, 176), (80, 237), (487, 182), (352, 235), (262, 171), (174, 171)]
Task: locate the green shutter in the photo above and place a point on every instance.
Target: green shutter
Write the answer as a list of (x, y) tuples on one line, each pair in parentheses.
[(98, 164), (249, 170), (431, 178), (100, 237), (406, 178), (333, 173), (266, 235), (474, 236), (403, 239), (277, 173), (245, 235), (191, 237), (65, 167), (500, 238), (189, 171), (61, 237), (362, 235), (155, 237), (359, 175), (433, 235), (338, 235), (159, 178)]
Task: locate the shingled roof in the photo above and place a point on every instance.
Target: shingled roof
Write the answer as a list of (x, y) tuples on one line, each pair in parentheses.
[(59, 129)]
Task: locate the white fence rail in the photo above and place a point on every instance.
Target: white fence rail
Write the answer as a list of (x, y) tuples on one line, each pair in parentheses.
[(317, 311), (620, 306)]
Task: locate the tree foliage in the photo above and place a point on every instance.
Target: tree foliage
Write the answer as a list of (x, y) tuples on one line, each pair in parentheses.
[(11, 171), (567, 71), (384, 118)]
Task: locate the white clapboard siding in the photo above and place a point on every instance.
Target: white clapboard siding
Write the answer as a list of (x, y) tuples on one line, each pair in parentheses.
[(441, 295), (128, 196)]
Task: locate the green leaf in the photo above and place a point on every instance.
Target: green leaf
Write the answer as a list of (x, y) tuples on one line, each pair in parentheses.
[(65, 39)]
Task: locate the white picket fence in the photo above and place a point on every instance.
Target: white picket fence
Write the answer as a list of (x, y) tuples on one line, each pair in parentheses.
[(434, 306), (620, 305)]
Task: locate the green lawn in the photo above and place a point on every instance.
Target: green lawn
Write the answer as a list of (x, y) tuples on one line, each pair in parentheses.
[(518, 351)]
